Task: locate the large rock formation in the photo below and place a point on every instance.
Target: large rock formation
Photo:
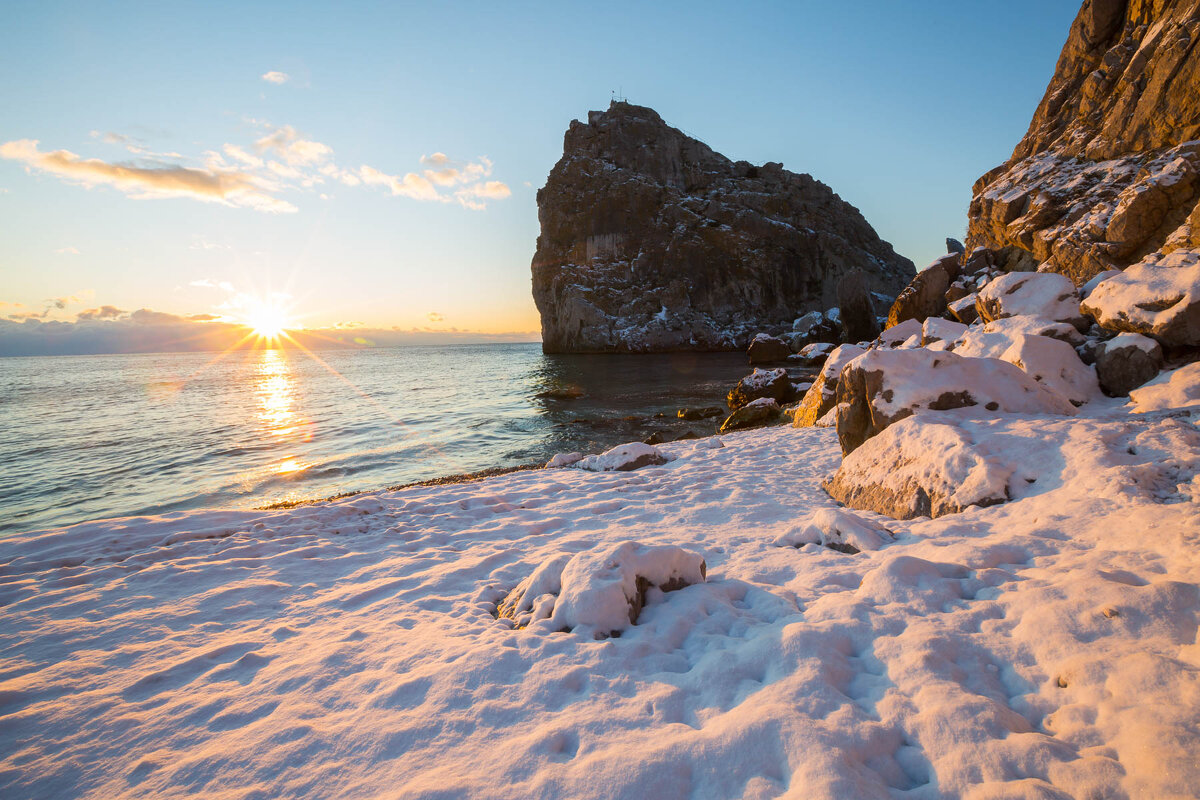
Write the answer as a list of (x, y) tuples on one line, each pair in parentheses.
[(1109, 170), (650, 241)]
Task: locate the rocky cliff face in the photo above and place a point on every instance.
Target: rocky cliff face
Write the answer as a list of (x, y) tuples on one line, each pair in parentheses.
[(651, 241), (1108, 172)]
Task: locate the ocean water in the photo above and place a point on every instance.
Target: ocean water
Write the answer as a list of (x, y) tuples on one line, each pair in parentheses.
[(86, 437)]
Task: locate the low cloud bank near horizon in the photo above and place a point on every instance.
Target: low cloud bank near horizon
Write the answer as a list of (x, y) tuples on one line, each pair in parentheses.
[(108, 330)]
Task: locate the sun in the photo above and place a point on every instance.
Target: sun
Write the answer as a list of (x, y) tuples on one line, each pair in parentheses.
[(268, 321)]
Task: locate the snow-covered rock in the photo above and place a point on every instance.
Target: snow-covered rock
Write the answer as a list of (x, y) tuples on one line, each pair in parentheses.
[(939, 329), (1054, 364), (1035, 294), (773, 383), (881, 387), (599, 592), (623, 458), (1159, 296), (820, 396), (762, 411), (1178, 388), (806, 322), (922, 466), (898, 334), (1126, 361), (837, 529), (563, 460), (815, 354), (1034, 326), (963, 309)]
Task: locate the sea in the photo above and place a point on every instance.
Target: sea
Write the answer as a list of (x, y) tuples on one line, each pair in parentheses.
[(90, 437)]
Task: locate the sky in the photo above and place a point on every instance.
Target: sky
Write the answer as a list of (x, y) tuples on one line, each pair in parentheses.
[(374, 166)]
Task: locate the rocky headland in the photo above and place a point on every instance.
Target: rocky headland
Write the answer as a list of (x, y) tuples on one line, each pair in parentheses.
[(651, 241)]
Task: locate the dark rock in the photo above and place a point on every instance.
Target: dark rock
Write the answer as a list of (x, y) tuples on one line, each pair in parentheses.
[(650, 241), (925, 295), (955, 246), (765, 349), (773, 383), (692, 414), (858, 313), (763, 411), (1126, 362)]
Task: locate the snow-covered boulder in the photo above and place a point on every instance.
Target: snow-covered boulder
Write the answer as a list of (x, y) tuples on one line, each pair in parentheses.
[(837, 529), (623, 458), (765, 349), (881, 387), (1035, 326), (563, 460), (1126, 361), (1036, 294), (599, 592), (807, 322), (762, 411), (815, 354), (1159, 296), (922, 466), (1054, 364), (898, 334), (963, 309), (771, 383), (821, 395), (944, 331), (1175, 389)]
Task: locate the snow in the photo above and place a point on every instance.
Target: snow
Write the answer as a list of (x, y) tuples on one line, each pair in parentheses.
[(762, 378), (805, 323), (839, 529), (937, 329), (816, 350), (762, 402), (1042, 647), (1174, 389), (563, 460), (899, 333)]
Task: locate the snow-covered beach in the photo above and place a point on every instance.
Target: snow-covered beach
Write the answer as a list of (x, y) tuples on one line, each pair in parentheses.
[(1044, 647)]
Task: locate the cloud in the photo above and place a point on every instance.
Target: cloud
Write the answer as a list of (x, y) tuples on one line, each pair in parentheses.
[(238, 154), (228, 187), (442, 173), (286, 142), (107, 329), (436, 317), (411, 185), (67, 251), (103, 312), (276, 77)]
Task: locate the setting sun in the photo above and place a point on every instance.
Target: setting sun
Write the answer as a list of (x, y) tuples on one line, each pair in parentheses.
[(268, 321)]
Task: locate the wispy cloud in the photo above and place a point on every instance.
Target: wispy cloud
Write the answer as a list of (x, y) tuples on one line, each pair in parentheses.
[(276, 77), (293, 149), (436, 317), (441, 173), (67, 251), (103, 312), (230, 187)]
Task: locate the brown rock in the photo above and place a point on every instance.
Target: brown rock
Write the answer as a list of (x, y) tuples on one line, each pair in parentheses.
[(821, 396), (772, 383), (766, 349), (925, 295), (651, 241), (858, 313)]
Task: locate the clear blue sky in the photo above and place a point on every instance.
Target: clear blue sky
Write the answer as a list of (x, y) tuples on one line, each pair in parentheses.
[(897, 106)]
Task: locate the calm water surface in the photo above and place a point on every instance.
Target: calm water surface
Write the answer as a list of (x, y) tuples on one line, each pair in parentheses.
[(99, 436)]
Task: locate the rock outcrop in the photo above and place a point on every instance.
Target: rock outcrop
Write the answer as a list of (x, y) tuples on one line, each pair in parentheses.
[(651, 241), (1109, 170)]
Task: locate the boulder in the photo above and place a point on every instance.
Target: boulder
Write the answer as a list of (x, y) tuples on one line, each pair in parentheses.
[(766, 349), (820, 397), (925, 295), (814, 355), (805, 323), (763, 411), (1035, 294), (955, 246), (599, 592), (941, 331), (1034, 326), (923, 466), (881, 387), (857, 311), (899, 334), (1159, 297), (773, 383), (624, 458), (1125, 362), (650, 241), (963, 309)]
